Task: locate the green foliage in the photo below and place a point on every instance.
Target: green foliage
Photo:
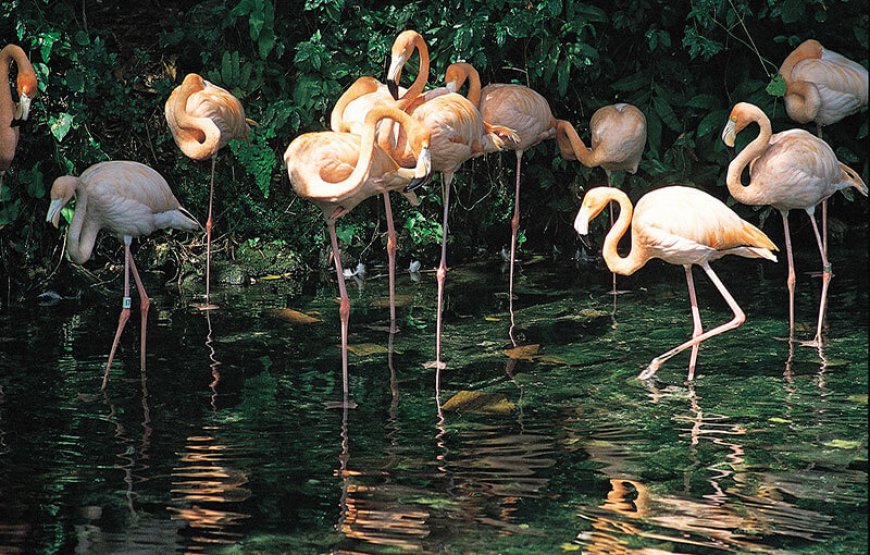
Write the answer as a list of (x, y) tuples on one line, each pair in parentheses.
[(105, 70)]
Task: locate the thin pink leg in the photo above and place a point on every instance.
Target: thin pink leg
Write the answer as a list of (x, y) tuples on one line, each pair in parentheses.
[(391, 255), (441, 275), (824, 205), (515, 226), (791, 277), (344, 310), (696, 318), (610, 207), (144, 303), (827, 273), (208, 225), (125, 313), (739, 318)]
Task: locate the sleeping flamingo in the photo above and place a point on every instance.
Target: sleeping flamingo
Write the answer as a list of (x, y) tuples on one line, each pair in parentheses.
[(457, 133), (12, 114), (618, 137), (128, 199), (514, 106), (203, 118), (337, 171), (789, 170), (822, 87), (679, 225)]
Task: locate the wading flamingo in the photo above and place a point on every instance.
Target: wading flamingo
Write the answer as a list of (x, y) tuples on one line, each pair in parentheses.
[(350, 111), (789, 170), (203, 118), (823, 87), (12, 114), (514, 106), (128, 199), (457, 134), (618, 137), (679, 225), (337, 171)]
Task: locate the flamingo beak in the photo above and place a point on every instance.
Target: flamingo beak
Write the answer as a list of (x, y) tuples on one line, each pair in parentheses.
[(22, 109), (451, 86), (423, 170), (393, 74), (53, 214), (581, 222), (729, 134)]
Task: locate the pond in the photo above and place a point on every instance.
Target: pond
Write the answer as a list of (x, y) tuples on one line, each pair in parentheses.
[(226, 443)]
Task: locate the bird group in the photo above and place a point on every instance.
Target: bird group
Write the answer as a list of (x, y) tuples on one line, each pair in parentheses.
[(385, 138)]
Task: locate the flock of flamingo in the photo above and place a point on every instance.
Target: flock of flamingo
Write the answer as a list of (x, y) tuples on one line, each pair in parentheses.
[(385, 138)]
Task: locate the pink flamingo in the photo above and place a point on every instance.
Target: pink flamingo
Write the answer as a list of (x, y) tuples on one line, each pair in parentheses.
[(12, 114)]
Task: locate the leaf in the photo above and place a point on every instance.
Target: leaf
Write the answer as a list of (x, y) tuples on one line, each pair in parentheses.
[(776, 87), (779, 420), (711, 121), (492, 318), (842, 444), (523, 352), (703, 101), (860, 399), (367, 349), (664, 110), (633, 82), (60, 125), (570, 547), (294, 316), (792, 10), (479, 401)]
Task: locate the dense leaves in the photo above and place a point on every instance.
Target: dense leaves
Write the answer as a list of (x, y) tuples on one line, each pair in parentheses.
[(105, 70)]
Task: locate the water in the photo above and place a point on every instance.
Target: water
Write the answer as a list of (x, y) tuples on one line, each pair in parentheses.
[(225, 445)]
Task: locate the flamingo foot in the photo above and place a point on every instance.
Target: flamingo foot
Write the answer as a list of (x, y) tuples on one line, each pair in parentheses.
[(340, 405), (617, 292), (436, 364), (209, 306), (650, 370)]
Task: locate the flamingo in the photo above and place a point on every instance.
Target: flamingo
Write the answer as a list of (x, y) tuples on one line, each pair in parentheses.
[(203, 118), (128, 199), (514, 106), (618, 136), (679, 225), (350, 111), (337, 171), (789, 170), (458, 133), (822, 87), (11, 114)]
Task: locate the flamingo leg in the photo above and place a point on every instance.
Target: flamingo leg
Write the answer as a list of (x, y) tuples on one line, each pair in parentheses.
[(515, 226), (791, 277), (739, 318), (123, 317), (827, 274), (441, 275), (391, 255), (208, 225), (696, 319), (144, 303), (824, 204), (344, 310), (613, 291)]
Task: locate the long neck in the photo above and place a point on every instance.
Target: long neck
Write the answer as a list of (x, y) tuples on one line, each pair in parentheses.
[(473, 78), (572, 147), (360, 87), (80, 245), (198, 137), (636, 258), (7, 107), (416, 88), (749, 194)]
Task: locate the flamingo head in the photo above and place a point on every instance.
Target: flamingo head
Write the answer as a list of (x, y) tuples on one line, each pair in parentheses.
[(27, 89), (593, 203), (737, 122), (62, 190), (456, 75), (402, 49)]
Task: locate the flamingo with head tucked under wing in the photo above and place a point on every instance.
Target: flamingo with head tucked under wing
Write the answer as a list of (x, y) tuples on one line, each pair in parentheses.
[(679, 225), (203, 118), (337, 171), (128, 199), (12, 114), (789, 170)]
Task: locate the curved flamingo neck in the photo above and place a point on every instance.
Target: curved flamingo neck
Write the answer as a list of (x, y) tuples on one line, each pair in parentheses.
[(362, 86), (749, 194), (200, 136), (802, 101), (635, 259), (7, 106), (80, 250), (466, 72), (572, 146), (416, 88)]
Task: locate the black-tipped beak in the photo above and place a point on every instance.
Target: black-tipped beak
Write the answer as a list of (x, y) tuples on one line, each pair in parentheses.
[(418, 182), (16, 123), (394, 88)]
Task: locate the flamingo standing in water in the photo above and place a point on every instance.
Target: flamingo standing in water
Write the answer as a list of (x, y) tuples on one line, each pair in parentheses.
[(679, 225), (12, 114), (823, 87), (789, 170), (203, 118), (458, 133), (618, 137), (514, 106), (337, 171), (130, 200)]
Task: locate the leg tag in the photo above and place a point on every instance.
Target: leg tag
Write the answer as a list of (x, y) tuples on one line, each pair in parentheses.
[(126, 303)]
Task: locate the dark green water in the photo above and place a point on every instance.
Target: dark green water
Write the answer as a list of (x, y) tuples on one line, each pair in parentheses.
[(566, 452)]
